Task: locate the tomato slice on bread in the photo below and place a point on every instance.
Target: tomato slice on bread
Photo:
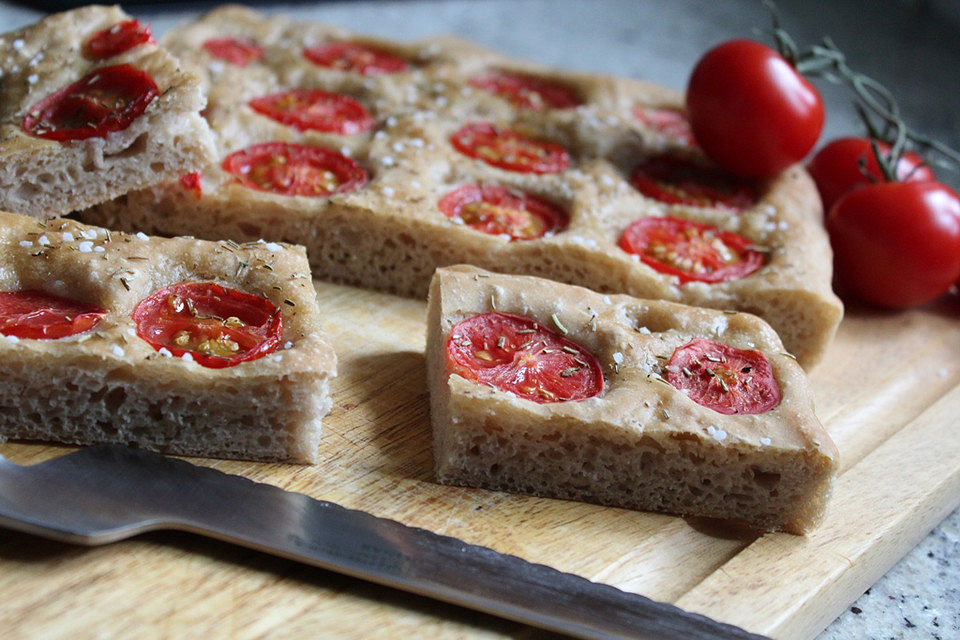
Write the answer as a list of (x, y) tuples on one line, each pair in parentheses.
[(521, 356), (723, 378), (105, 100), (355, 58), (114, 40), (217, 326), (237, 52), (295, 170), (691, 251), (498, 210), (674, 180), (506, 149), (315, 110), (526, 91), (669, 122), (43, 316)]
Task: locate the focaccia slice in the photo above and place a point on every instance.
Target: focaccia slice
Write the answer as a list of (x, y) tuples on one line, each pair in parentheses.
[(244, 375), (633, 439), (411, 184), (90, 108)]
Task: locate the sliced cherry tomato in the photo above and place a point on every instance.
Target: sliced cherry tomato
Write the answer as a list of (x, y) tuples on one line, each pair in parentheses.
[(897, 244), (509, 150), (673, 180), (217, 326), (526, 91), (849, 163), (39, 315), (316, 110), (105, 100), (523, 357), (191, 182), (113, 41), (670, 122), (497, 210), (690, 250), (355, 58), (237, 52), (722, 378), (295, 170), (751, 112)]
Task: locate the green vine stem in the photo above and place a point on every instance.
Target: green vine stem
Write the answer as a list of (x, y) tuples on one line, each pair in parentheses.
[(873, 101)]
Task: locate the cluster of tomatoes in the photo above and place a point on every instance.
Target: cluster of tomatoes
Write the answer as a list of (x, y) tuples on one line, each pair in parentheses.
[(896, 238)]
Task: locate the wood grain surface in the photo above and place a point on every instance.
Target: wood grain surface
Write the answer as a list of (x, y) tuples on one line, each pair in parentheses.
[(888, 392)]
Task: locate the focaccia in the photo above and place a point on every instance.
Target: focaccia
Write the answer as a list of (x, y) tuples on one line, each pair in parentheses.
[(440, 152), (603, 402), (177, 376), (91, 108)]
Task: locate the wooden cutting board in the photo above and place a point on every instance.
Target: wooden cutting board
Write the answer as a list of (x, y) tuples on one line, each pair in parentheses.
[(888, 392)]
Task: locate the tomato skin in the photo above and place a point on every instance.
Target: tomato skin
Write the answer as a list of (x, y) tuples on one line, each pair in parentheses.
[(723, 378), (114, 40), (39, 315), (192, 183), (691, 251), (751, 112), (237, 52), (508, 150), (897, 244), (295, 170), (836, 168), (495, 209), (105, 100), (353, 57), (521, 356), (526, 91), (313, 109), (192, 312), (674, 180), (668, 122)]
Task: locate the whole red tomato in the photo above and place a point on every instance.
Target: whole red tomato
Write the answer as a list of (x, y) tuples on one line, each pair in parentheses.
[(897, 244), (836, 168), (750, 110)]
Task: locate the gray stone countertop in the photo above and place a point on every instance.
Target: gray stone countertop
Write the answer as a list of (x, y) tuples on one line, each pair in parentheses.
[(912, 46)]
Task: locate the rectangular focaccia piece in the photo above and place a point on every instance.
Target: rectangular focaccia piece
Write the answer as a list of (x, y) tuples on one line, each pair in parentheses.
[(131, 130), (109, 385), (641, 443), (420, 206)]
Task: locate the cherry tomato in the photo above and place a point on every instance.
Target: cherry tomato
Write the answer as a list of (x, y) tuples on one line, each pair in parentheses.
[(722, 378), (497, 210), (237, 52), (836, 168), (751, 112), (691, 251), (295, 170), (40, 315), (674, 180), (521, 356), (113, 41), (217, 326), (527, 92), (313, 109), (105, 100), (355, 58), (506, 149), (191, 182), (897, 244), (670, 122)]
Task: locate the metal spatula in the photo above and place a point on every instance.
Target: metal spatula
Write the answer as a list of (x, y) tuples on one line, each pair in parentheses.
[(103, 494)]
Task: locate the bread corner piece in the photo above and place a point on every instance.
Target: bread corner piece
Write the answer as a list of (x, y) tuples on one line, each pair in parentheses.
[(46, 178), (107, 385), (641, 444)]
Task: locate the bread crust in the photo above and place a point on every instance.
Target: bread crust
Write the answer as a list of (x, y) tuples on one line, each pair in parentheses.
[(642, 443), (391, 235), (46, 178), (109, 385)]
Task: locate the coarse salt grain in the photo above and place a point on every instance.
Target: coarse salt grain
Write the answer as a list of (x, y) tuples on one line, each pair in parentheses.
[(164, 352), (416, 142), (618, 357), (89, 234), (388, 191), (414, 184), (398, 146), (391, 121), (273, 246), (131, 331), (388, 161), (717, 434), (347, 151), (43, 241), (287, 345), (67, 236), (186, 357), (85, 247), (142, 236), (32, 78), (765, 442), (99, 249), (12, 338), (26, 243), (18, 44), (118, 351)]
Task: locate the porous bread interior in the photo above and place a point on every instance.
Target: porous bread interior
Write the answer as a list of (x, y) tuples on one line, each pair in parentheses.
[(84, 402), (641, 445), (46, 178), (390, 235)]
